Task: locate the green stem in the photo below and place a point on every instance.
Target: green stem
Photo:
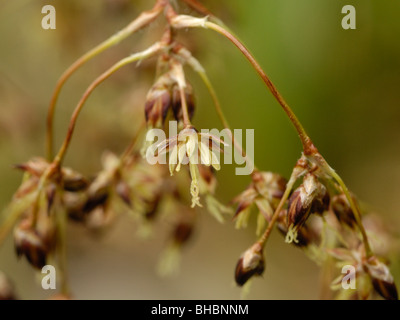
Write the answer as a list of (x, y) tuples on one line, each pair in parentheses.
[(62, 237), (16, 209), (133, 143), (354, 208), (144, 19), (133, 58)]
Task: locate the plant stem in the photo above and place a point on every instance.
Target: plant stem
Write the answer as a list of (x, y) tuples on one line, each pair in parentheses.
[(223, 120), (133, 58), (132, 145), (354, 208), (305, 139), (264, 238), (200, 8), (62, 237), (186, 119), (144, 19)]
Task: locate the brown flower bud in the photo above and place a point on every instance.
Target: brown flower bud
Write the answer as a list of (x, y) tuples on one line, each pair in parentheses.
[(342, 210), (250, 264), (308, 198), (382, 279), (158, 103), (304, 235), (387, 290), (29, 243), (182, 233), (73, 181), (95, 200), (177, 102)]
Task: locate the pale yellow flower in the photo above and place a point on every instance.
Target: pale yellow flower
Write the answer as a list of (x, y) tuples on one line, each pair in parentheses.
[(192, 148)]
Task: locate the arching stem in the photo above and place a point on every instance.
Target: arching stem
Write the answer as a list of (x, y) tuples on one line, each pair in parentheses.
[(133, 58), (305, 139), (143, 20)]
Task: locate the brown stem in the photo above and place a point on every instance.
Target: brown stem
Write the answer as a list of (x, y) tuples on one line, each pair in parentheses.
[(143, 20), (197, 6), (132, 145), (308, 146), (145, 54), (186, 119), (264, 238)]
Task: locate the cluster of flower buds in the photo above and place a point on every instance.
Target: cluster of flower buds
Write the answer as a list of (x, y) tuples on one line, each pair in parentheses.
[(38, 204), (165, 95)]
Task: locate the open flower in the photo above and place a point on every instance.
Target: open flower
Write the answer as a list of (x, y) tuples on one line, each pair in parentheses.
[(193, 148)]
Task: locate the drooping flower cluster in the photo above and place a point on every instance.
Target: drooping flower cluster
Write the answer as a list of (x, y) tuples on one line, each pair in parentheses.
[(313, 209)]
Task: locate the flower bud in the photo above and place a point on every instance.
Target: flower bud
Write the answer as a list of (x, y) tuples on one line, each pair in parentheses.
[(310, 197), (182, 233), (157, 105), (382, 279), (386, 289), (304, 235), (250, 264), (73, 181), (342, 210), (29, 243)]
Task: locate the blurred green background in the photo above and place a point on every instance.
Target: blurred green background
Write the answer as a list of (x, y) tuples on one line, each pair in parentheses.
[(343, 85)]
